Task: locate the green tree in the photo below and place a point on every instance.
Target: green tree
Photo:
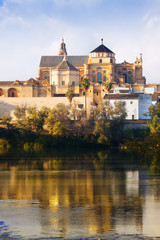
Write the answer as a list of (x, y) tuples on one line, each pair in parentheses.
[(70, 95), (108, 87), (59, 129), (116, 111), (110, 122), (59, 114), (85, 84), (154, 122), (31, 119), (6, 121)]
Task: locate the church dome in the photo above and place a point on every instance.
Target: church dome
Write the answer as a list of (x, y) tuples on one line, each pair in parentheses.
[(102, 49)]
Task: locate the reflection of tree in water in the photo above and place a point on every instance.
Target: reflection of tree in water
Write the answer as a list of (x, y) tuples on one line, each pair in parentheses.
[(93, 193)]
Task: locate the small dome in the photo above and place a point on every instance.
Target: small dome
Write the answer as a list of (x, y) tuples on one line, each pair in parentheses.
[(102, 49)]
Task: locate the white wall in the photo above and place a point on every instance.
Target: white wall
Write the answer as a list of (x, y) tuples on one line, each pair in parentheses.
[(132, 108), (145, 100)]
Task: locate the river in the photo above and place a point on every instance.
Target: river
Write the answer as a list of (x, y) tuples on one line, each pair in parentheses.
[(78, 195)]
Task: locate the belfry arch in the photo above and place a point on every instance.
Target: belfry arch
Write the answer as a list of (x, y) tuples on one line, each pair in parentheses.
[(12, 92)]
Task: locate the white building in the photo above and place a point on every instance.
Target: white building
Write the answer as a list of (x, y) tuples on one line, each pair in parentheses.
[(136, 104)]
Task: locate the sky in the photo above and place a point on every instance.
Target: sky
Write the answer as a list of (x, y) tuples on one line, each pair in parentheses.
[(30, 29)]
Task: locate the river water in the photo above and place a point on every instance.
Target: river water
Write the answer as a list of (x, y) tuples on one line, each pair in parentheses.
[(87, 195)]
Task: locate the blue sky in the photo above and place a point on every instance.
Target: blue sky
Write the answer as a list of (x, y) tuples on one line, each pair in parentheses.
[(32, 28)]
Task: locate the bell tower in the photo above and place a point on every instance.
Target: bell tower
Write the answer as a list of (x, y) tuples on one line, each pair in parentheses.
[(62, 50)]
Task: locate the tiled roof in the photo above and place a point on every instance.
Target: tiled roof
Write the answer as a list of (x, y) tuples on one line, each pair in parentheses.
[(53, 61), (122, 96), (65, 65), (5, 83), (102, 48)]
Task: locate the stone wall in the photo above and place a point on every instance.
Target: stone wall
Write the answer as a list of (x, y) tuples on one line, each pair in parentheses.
[(7, 105)]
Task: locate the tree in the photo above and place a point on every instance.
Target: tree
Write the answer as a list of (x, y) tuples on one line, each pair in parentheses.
[(58, 120), (85, 84), (108, 87), (6, 121), (154, 122), (70, 95), (31, 119), (110, 122), (116, 111)]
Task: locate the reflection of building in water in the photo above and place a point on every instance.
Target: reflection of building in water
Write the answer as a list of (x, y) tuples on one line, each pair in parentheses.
[(132, 183), (97, 202), (128, 210)]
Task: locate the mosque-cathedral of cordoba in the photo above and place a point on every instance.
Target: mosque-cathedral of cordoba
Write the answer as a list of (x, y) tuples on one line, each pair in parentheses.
[(59, 73)]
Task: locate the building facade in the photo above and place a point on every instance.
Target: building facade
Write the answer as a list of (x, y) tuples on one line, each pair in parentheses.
[(59, 73)]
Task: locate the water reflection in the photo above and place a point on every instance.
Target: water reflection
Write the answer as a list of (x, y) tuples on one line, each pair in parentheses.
[(91, 195)]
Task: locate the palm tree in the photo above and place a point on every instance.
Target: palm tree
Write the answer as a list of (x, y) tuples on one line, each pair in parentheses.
[(108, 87), (70, 95), (85, 84)]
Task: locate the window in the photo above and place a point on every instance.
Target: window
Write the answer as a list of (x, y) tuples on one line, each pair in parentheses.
[(99, 77), (99, 69), (124, 69), (111, 60), (104, 72), (93, 72), (73, 83), (94, 78), (125, 78), (97, 93), (129, 79), (129, 72), (84, 93), (46, 77), (80, 106), (119, 73), (63, 83), (104, 78), (100, 60), (131, 102)]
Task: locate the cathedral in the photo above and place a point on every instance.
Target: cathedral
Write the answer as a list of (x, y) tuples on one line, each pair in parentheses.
[(59, 73)]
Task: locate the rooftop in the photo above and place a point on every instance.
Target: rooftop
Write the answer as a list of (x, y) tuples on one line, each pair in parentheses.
[(53, 61), (101, 49)]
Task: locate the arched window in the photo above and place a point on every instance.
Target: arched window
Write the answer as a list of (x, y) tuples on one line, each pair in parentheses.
[(1, 92), (94, 78), (12, 92), (125, 78), (124, 69), (99, 77)]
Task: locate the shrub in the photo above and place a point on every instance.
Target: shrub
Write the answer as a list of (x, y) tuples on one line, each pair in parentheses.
[(4, 144)]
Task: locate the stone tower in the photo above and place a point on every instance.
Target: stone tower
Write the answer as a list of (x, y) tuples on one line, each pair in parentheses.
[(62, 50)]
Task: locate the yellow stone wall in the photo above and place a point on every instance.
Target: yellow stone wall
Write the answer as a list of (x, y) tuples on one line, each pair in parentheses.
[(7, 105)]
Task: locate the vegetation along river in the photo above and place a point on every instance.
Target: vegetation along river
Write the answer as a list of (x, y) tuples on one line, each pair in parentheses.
[(78, 195)]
